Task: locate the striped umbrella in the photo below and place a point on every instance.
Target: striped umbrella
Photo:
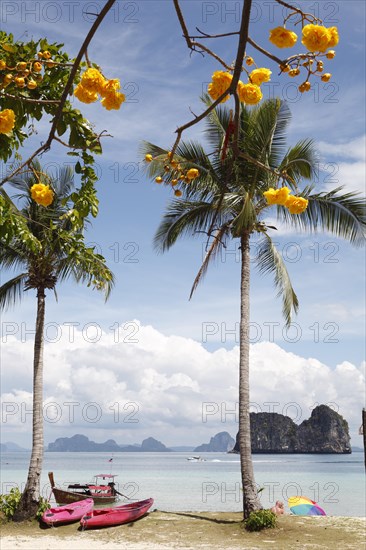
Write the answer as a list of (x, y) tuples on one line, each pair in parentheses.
[(303, 506)]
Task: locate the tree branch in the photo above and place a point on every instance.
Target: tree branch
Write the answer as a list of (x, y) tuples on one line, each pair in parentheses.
[(67, 89), (243, 38), (263, 51), (26, 99)]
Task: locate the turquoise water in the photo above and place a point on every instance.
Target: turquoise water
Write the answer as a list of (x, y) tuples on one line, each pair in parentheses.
[(336, 482)]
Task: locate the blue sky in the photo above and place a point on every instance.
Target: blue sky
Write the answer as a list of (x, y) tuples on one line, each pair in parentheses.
[(173, 355)]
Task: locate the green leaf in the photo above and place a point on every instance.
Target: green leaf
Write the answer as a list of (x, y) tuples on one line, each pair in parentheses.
[(11, 48), (61, 127)]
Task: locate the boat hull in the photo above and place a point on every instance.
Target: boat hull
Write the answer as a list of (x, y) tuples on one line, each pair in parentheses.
[(118, 515), (101, 494), (69, 513), (68, 497)]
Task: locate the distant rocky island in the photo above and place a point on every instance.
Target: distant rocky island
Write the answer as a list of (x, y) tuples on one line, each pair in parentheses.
[(12, 448), (82, 444), (325, 431), (221, 442)]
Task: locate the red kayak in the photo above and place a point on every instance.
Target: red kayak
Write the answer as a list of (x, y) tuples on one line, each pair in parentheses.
[(69, 513), (106, 517)]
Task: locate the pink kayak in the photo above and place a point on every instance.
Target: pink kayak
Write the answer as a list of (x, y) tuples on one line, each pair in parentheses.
[(69, 513), (106, 517)]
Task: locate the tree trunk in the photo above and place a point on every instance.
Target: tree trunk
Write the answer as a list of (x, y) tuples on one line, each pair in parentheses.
[(30, 498), (364, 433), (250, 494)]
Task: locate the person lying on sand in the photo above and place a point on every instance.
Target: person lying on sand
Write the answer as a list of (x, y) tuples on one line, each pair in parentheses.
[(278, 508)]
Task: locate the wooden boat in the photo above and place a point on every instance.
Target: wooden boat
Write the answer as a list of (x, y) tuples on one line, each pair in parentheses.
[(118, 515), (102, 491), (69, 513)]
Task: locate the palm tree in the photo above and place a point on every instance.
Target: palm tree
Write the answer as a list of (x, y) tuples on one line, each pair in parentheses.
[(60, 253), (226, 201)]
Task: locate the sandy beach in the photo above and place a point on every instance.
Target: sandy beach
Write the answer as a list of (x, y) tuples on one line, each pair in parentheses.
[(191, 531)]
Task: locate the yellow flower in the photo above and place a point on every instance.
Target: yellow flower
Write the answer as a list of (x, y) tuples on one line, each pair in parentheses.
[(258, 76), (294, 72), (249, 93), (7, 79), (31, 84), (282, 38), (84, 95), (334, 37), (178, 193), (326, 77), (249, 61), (296, 205), (148, 158), (316, 38), (277, 196), (192, 173), (221, 80), (37, 67), (113, 100), (2, 65), (330, 55), (93, 80), (158, 179), (19, 81), (305, 86), (42, 194), (109, 86), (7, 121)]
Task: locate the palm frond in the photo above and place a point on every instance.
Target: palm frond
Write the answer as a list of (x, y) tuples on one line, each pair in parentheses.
[(89, 268), (14, 253), (343, 215), (185, 218), (217, 243), (217, 124), (245, 219), (267, 130), (300, 161), (269, 260), (63, 182), (11, 291), (192, 153)]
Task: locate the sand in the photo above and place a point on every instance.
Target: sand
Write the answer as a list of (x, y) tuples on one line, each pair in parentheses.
[(191, 531)]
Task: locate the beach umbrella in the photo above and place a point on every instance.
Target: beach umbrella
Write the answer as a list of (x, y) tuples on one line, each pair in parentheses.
[(303, 506)]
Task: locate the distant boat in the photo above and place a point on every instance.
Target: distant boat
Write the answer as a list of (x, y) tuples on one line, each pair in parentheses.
[(69, 513), (196, 459), (107, 517), (102, 491)]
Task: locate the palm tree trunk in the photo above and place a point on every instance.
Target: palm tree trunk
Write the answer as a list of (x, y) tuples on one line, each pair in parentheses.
[(250, 494), (30, 498)]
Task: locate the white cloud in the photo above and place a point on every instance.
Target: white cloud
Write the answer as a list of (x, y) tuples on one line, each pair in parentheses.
[(161, 386), (353, 149), (349, 169)]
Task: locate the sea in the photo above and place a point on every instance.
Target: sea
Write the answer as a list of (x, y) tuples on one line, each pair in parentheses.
[(335, 482)]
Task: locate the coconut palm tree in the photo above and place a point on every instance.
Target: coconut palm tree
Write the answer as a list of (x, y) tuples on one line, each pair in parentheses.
[(58, 253), (225, 201)]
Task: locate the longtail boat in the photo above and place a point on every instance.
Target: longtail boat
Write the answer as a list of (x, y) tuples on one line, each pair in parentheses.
[(102, 491), (118, 515), (69, 513)]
